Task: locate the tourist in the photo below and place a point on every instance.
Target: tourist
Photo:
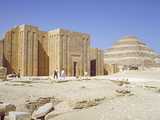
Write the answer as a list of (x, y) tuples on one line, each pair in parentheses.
[(62, 74), (56, 74), (18, 75), (85, 75)]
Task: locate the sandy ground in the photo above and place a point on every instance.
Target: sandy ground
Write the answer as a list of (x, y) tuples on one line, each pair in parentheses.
[(142, 104)]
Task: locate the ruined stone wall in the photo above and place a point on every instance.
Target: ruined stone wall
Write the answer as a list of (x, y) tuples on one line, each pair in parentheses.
[(98, 55)]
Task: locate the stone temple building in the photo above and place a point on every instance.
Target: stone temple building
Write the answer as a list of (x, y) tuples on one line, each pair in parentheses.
[(1, 53), (129, 53), (27, 50)]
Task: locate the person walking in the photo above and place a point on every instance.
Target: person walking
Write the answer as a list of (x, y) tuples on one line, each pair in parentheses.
[(19, 75), (63, 74), (56, 74)]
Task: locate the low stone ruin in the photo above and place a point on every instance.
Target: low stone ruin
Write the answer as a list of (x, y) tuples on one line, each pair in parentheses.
[(5, 108), (123, 91), (32, 105), (86, 103), (19, 116)]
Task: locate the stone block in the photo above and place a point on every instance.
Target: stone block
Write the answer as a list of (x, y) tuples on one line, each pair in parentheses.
[(42, 111), (60, 108), (19, 116), (7, 107)]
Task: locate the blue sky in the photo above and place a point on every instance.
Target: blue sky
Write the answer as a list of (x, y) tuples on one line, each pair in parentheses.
[(105, 20)]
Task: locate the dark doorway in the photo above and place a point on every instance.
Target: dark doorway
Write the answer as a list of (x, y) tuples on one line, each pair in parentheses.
[(93, 68), (74, 68)]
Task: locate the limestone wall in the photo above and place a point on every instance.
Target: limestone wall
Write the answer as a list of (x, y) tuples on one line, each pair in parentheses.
[(98, 55), (110, 69), (67, 47), (31, 52), (74, 48), (54, 50), (11, 50), (43, 57), (28, 49), (1, 53), (21, 50), (3, 73)]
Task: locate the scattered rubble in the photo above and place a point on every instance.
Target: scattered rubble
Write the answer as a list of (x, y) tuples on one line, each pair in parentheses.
[(86, 103), (15, 84), (152, 88), (121, 82), (123, 92), (32, 105), (60, 81)]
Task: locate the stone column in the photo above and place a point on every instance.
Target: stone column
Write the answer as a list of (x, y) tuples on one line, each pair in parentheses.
[(29, 55), (35, 54), (25, 52)]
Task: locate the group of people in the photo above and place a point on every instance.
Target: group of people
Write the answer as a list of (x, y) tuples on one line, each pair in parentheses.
[(57, 74)]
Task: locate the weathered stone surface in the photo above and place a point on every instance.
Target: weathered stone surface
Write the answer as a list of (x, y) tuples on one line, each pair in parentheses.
[(19, 116), (120, 82), (83, 104), (6, 107), (10, 107), (28, 50), (32, 105), (98, 55), (1, 52), (129, 53), (122, 91), (60, 108), (42, 111), (67, 48), (3, 73), (43, 57), (2, 108)]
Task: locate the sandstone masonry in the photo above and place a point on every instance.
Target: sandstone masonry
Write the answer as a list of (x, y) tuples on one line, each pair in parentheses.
[(32, 52)]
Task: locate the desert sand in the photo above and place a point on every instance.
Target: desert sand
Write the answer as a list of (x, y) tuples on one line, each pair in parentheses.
[(94, 99)]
